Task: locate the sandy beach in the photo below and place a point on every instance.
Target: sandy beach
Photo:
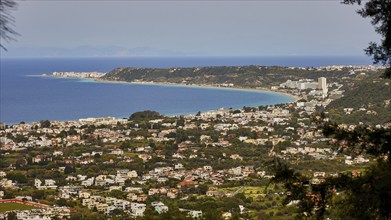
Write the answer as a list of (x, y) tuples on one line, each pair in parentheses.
[(263, 90)]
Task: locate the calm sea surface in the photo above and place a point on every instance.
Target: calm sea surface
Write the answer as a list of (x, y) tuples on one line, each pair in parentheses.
[(31, 98)]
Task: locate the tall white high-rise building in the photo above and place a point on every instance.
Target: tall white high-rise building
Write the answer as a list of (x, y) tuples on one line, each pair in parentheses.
[(322, 84)]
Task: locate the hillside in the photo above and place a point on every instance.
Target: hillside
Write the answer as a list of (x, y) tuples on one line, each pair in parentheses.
[(242, 76), (368, 98)]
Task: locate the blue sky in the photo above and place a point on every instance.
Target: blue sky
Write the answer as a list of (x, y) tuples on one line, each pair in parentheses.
[(202, 28)]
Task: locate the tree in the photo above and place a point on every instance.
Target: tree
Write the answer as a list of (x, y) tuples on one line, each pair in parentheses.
[(7, 33), (11, 215), (380, 13), (145, 115), (202, 189), (45, 124), (117, 194), (69, 169), (17, 176), (364, 196), (38, 194)]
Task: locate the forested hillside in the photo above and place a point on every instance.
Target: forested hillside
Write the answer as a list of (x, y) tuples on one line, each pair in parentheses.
[(241, 76), (368, 98)]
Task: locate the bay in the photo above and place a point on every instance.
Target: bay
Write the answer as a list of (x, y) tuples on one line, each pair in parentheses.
[(29, 98)]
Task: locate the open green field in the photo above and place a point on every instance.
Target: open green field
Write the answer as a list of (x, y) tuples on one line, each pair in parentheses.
[(4, 207)]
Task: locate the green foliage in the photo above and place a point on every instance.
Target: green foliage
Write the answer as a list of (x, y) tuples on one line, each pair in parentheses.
[(17, 176), (12, 216), (366, 196), (374, 141), (202, 189), (8, 194), (380, 13), (5, 207), (145, 115), (212, 214), (173, 213), (45, 123), (86, 214), (39, 194), (243, 76), (20, 138), (117, 194), (69, 169), (370, 93)]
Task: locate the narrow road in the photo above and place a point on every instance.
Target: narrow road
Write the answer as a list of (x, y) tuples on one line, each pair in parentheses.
[(238, 190)]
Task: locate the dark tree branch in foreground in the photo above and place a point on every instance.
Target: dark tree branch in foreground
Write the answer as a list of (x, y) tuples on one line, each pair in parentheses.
[(7, 32), (380, 13)]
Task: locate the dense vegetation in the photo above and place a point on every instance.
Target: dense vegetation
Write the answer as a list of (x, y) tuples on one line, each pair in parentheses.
[(369, 96), (362, 194), (147, 115), (5, 207)]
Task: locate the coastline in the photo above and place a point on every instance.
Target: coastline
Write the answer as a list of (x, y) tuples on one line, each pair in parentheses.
[(262, 90)]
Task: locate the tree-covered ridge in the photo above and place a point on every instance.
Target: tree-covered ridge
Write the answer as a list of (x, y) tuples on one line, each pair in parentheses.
[(241, 76), (366, 99)]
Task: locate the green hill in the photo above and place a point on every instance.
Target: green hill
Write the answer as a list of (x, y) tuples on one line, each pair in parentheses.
[(240, 76), (369, 96)]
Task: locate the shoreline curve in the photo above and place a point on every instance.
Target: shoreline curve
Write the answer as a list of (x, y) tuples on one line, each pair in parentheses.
[(262, 90)]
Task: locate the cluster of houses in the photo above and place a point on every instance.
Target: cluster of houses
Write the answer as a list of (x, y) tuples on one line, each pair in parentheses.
[(40, 212)]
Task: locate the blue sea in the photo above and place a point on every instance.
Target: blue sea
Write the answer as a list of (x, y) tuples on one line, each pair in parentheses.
[(29, 98)]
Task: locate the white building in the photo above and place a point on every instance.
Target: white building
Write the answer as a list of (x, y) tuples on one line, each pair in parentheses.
[(37, 183), (322, 83), (195, 214), (138, 208), (159, 207)]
